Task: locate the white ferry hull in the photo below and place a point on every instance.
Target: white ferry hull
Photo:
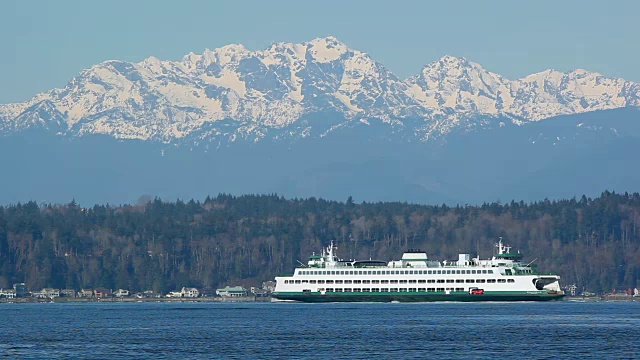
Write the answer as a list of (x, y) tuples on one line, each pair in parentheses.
[(416, 297)]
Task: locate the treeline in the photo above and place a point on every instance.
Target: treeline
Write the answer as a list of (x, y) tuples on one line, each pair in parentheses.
[(594, 243)]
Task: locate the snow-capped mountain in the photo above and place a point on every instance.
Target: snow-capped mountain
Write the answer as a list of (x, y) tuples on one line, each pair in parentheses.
[(232, 92)]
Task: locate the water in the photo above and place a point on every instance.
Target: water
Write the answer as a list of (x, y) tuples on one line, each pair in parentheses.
[(327, 331)]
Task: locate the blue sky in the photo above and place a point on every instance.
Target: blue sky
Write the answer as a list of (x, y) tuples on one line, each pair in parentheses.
[(45, 43)]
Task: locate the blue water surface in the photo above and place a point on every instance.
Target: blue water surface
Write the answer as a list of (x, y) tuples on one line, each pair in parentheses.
[(328, 331)]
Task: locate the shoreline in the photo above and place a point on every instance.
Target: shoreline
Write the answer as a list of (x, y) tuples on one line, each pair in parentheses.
[(135, 300)]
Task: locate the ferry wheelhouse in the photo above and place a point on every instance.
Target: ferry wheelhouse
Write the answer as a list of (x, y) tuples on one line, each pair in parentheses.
[(416, 278)]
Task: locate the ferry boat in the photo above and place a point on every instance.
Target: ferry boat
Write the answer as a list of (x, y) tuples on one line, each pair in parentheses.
[(416, 278)]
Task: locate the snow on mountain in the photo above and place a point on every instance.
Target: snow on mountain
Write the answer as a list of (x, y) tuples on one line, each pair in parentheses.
[(465, 87), (235, 93)]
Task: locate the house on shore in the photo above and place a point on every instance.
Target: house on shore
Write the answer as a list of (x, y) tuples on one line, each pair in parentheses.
[(185, 292), (190, 292), (120, 293), (70, 293), (102, 293), (7, 294), (85, 293), (46, 293), (232, 291), (21, 290)]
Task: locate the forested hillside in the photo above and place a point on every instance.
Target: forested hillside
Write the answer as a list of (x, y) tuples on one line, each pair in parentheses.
[(162, 246)]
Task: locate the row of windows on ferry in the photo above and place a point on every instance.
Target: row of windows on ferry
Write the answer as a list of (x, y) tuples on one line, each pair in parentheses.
[(393, 272), (389, 289), (422, 281)]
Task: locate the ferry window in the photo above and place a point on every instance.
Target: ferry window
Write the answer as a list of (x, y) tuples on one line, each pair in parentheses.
[(375, 290), (468, 271), (356, 290), (312, 281), (384, 290), (439, 272), (491, 280), (368, 272), (320, 281), (388, 272), (403, 281), (286, 281), (473, 271), (329, 290), (393, 289), (470, 281), (440, 281), (384, 281), (510, 280), (412, 289), (449, 281), (329, 281), (375, 281), (366, 290), (422, 289), (431, 281), (411, 272), (439, 289), (422, 281), (338, 281), (484, 271), (297, 281), (305, 281), (480, 280), (489, 271), (338, 290), (365, 281), (347, 281), (357, 281), (393, 281), (402, 290), (430, 272), (412, 281), (459, 280), (431, 289), (350, 272), (459, 289), (346, 290), (502, 280)]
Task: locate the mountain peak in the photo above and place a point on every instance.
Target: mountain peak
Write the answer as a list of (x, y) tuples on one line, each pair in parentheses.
[(453, 60), (327, 49)]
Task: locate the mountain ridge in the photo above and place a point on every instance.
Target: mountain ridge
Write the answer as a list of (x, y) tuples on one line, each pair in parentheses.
[(232, 93)]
